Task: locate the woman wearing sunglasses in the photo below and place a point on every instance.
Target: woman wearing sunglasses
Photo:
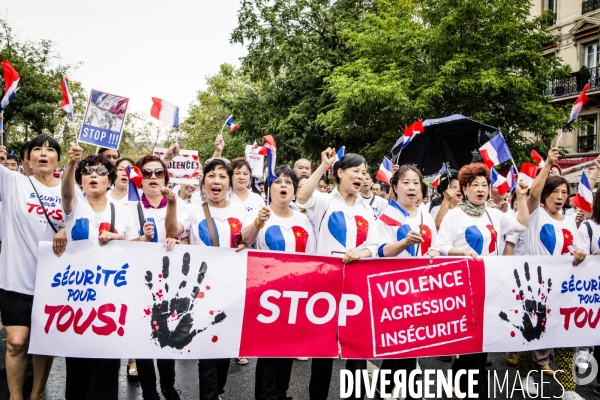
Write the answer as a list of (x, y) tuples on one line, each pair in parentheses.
[(278, 228), (227, 218), (32, 213), (93, 218)]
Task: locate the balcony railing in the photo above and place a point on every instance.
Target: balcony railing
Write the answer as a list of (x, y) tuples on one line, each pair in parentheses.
[(590, 5), (573, 84)]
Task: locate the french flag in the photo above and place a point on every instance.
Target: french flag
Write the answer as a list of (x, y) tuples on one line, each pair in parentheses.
[(411, 131), (578, 106), (394, 214), (527, 173), (164, 111), (67, 101), (584, 197), (495, 152), (436, 181), (270, 151), (511, 180), (385, 171), (537, 158), (231, 125), (135, 182), (340, 153), (11, 83), (499, 182)]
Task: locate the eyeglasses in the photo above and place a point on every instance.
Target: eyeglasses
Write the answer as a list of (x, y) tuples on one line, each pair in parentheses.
[(100, 171), (112, 156), (288, 182), (158, 172)]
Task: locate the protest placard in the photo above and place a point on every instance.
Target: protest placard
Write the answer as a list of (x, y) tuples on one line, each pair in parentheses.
[(255, 160), (184, 168), (103, 120)]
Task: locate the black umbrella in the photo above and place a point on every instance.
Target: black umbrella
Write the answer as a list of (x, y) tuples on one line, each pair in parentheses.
[(451, 140)]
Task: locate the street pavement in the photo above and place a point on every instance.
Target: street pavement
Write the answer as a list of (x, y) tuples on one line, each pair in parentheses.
[(240, 384)]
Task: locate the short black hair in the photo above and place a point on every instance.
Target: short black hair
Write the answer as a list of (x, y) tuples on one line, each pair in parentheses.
[(350, 160), (11, 157), (105, 149), (92, 160), (213, 164), (120, 160), (285, 170), (324, 179), (240, 162), (23, 151), (40, 141), (445, 181)]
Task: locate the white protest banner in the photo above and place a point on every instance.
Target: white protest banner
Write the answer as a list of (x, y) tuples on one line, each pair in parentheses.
[(255, 160), (104, 120), (185, 168)]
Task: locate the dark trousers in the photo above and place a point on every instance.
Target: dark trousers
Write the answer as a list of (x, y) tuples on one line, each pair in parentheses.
[(473, 361), (272, 378), (213, 377), (166, 371), (320, 377), (407, 364), (92, 379)]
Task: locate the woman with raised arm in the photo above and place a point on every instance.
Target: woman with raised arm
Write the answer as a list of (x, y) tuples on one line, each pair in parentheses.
[(551, 234), (225, 222), (344, 226), (472, 230), (278, 228), (93, 218), (32, 212)]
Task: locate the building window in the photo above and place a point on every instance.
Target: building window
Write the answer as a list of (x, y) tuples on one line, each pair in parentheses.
[(591, 55), (586, 141), (550, 5)]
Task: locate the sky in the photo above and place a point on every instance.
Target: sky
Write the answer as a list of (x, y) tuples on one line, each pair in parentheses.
[(134, 48)]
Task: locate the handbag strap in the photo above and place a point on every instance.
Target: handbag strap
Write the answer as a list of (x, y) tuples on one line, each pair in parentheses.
[(141, 217), (112, 217), (590, 234), (43, 208), (211, 225)]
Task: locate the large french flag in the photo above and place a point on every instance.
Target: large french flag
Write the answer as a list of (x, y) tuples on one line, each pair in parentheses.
[(164, 111), (495, 152), (527, 173), (411, 131), (385, 171), (135, 182), (499, 182), (11, 83), (394, 214), (270, 151), (584, 197), (578, 106), (67, 101)]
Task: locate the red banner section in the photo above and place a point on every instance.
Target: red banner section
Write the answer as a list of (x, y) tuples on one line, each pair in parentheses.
[(291, 307)]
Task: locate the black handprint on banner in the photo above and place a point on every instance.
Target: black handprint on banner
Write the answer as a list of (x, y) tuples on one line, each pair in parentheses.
[(533, 324), (177, 308)]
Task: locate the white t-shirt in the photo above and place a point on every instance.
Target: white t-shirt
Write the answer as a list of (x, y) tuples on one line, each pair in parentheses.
[(434, 211), (293, 234), (1, 221), (227, 221), (584, 240), (123, 200), (518, 239), (424, 208), (340, 227), (463, 232), (378, 204), (547, 236), (83, 223), (252, 202), (156, 216), (391, 234), (25, 226)]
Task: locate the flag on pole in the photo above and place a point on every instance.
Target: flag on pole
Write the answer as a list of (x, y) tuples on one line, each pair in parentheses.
[(411, 131), (578, 106), (340, 153), (499, 182), (254, 145), (385, 171), (537, 158), (394, 214), (584, 197), (164, 111), (11, 83), (231, 125), (527, 173), (438, 178), (67, 101), (270, 151), (511, 180), (495, 152), (135, 182)]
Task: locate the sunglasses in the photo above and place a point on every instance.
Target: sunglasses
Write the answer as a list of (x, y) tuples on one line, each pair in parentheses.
[(158, 172), (100, 171)]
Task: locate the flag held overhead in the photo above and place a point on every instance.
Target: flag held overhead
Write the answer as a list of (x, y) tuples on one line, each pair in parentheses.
[(11, 83), (584, 197), (578, 106), (231, 125), (495, 152), (164, 111), (385, 171), (67, 101), (411, 131)]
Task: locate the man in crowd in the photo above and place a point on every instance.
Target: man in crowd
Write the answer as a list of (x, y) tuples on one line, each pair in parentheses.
[(378, 190), (377, 203), (12, 162), (110, 154), (303, 168)]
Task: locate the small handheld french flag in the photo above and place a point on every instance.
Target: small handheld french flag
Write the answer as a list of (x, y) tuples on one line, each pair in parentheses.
[(584, 197), (385, 171), (394, 214), (164, 111), (231, 125), (495, 152), (270, 150), (499, 182), (437, 180), (67, 101), (11, 83), (577, 106), (340, 153), (527, 173), (411, 131), (135, 182), (537, 158)]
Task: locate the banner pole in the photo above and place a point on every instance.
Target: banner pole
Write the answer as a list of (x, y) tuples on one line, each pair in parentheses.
[(2, 128)]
